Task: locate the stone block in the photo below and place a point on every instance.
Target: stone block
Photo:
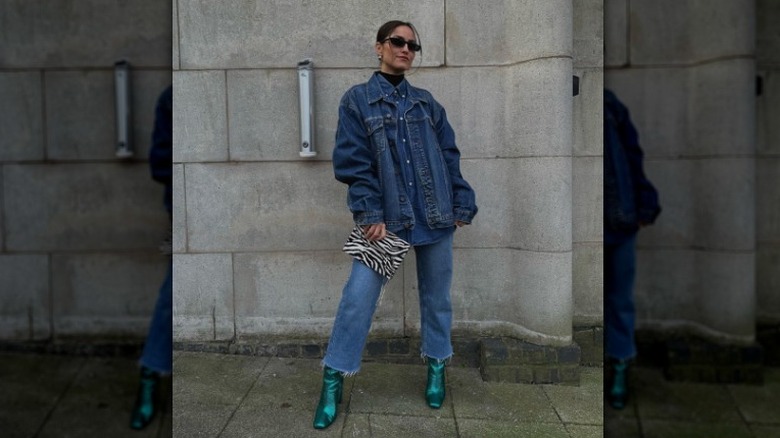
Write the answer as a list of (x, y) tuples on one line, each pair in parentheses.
[(767, 284), (203, 300), (92, 33), (768, 200), (25, 302), (89, 206), (524, 294), (523, 203), (696, 286), (588, 199), (707, 203), (722, 108), (657, 101), (105, 293), (80, 115), (588, 114), (589, 33), (588, 282), (514, 111), (237, 34), (615, 33), (175, 58), (768, 114), (265, 207), (298, 293), (21, 130), (199, 116), (507, 32), (767, 34), (271, 131), (179, 232), (672, 32)]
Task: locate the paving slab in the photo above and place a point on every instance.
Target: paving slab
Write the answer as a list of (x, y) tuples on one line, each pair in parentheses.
[(24, 410), (581, 404), (585, 431), (392, 389), (510, 429), (476, 399), (760, 403), (200, 420), (659, 399), (394, 426), (214, 378), (251, 421), (689, 429), (765, 431)]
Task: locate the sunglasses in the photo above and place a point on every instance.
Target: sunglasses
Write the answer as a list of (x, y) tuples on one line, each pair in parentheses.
[(400, 42)]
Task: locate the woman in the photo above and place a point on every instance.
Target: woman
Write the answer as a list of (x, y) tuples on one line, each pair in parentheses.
[(396, 151)]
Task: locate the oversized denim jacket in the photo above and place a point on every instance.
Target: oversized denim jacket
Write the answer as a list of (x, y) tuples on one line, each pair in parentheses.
[(364, 159)]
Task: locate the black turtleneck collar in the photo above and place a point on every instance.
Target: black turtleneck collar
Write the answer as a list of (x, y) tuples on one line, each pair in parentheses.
[(393, 79)]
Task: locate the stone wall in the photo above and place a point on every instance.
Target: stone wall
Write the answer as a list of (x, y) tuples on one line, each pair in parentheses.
[(79, 228), (259, 230), (686, 71)]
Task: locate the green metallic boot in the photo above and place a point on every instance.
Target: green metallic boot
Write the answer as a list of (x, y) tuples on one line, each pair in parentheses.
[(618, 390), (434, 391), (146, 401), (332, 386)]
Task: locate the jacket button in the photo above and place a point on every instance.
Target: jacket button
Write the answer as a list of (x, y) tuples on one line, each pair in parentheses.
[(402, 198)]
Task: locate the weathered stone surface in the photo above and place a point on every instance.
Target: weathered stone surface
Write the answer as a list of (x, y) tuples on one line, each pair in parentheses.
[(768, 114), (483, 116), (767, 283), (504, 291), (93, 33), (179, 231), (81, 111), (524, 203), (199, 116), (265, 207), (237, 34), (588, 283), (588, 199), (87, 206), (588, 33), (767, 33), (615, 33), (700, 199), (768, 200), (506, 32), (298, 293), (696, 286), (588, 114), (25, 302), (203, 304), (105, 293), (672, 32), (175, 58), (21, 130)]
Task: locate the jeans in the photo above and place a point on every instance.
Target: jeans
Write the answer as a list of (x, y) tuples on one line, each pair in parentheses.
[(359, 301), (158, 349), (619, 273)]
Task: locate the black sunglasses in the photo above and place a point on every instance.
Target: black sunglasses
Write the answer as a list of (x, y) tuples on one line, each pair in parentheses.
[(400, 42)]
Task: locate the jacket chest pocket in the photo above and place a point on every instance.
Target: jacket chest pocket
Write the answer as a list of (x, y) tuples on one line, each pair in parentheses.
[(375, 130)]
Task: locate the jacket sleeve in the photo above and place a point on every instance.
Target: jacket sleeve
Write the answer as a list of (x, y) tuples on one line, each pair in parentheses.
[(160, 154), (646, 196), (353, 164), (463, 196)]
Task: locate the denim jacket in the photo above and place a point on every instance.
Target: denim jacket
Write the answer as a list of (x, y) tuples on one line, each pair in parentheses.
[(366, 160)]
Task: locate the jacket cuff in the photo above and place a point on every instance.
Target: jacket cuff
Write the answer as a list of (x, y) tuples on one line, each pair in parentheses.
[(465, 215), (368, 217)]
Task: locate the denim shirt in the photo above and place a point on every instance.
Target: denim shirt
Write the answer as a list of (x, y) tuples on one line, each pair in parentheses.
[(366, 158)]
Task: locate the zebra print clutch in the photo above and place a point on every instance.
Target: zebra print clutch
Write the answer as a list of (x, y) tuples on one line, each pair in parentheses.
[(383, 256)]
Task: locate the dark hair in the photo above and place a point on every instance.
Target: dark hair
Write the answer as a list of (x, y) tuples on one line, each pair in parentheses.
[(386, 29)]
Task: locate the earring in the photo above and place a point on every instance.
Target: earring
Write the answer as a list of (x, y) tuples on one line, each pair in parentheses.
[(379, 57)]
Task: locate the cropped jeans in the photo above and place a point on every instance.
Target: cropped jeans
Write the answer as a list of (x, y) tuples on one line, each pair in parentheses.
[(359, 300), (158, 348), (619, 273)]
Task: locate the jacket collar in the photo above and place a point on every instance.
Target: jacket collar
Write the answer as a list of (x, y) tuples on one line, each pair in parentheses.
[(376, 92)]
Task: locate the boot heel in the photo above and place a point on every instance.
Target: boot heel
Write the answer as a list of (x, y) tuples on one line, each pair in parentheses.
[(435, 390)]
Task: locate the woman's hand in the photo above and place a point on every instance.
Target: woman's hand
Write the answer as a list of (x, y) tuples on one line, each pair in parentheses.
[(460, 223), (375, 231)]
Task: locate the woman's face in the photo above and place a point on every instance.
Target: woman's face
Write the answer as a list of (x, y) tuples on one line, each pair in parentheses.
[(396, 60)]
